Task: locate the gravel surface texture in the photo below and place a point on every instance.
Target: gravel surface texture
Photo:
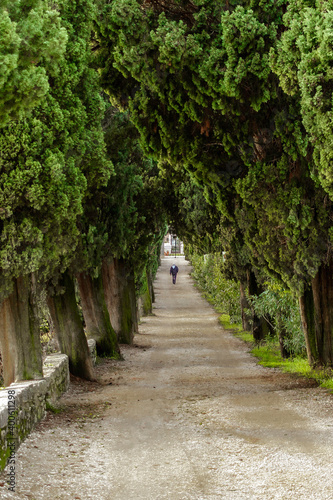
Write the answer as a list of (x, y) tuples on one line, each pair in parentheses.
[(188, 414)]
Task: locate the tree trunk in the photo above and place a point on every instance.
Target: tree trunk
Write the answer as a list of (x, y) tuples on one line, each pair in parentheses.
[(20, 333), (316, 306), (260, 327), (69, 329), (96, 315), (111, 292), (120, 298), (285, 353), (307, 316), (245, 309), (130, 298), (283, 334), (322, 290)]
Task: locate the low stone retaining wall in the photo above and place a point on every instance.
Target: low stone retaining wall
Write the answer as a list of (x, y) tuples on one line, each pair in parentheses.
[(23, 404)]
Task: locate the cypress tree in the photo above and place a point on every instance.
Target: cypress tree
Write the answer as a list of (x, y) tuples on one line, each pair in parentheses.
[(49, 161)]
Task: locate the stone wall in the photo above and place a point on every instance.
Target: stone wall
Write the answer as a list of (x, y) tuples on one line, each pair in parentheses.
[(23, 404)]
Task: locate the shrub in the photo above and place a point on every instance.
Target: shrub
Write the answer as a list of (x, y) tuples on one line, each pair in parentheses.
[(208, 271), (277, 305), (280, 307)]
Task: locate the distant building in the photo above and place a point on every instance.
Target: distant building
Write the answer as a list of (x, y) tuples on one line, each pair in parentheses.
[(172, 245)]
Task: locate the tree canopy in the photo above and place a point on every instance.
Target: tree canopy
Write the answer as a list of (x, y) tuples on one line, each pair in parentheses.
[(201, 81), (32, 43), (51, 158)]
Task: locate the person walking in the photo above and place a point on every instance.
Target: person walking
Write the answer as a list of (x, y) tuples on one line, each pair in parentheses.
[(173, 272)]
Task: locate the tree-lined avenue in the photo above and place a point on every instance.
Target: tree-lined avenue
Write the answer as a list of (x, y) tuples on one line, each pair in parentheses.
[(187, 415)]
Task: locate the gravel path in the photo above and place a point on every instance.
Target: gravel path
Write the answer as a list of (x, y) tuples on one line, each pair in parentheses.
[(187, 415)]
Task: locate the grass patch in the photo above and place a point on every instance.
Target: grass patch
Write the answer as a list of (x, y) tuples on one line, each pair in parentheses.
[(246, 336), (224, 319), (328, 384), (268, 354)]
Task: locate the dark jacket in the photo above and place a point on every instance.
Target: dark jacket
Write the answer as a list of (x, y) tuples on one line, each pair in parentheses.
[(173, 270)]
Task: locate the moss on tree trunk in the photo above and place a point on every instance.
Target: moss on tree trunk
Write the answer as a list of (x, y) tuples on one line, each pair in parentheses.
[(20, 333), (96, 315), (69, 329), (111, 292), (151, 286), (145, 298)]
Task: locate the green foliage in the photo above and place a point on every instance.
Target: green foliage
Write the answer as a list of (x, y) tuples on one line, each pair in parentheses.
[(232, 101), (224, 319), (203, 95), (276, 304), (303, 61), (193, 78), (201, 86), (194, 219), (32, 44), (280, 308), (247, 337), (127, 215), (283, 216), (51, 159), (221, 292)]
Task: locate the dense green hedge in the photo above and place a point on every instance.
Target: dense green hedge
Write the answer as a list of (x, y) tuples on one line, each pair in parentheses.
[(276, 304), (221, 292)]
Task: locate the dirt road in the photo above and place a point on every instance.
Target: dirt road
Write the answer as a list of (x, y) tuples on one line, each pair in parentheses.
[(187, 415)]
